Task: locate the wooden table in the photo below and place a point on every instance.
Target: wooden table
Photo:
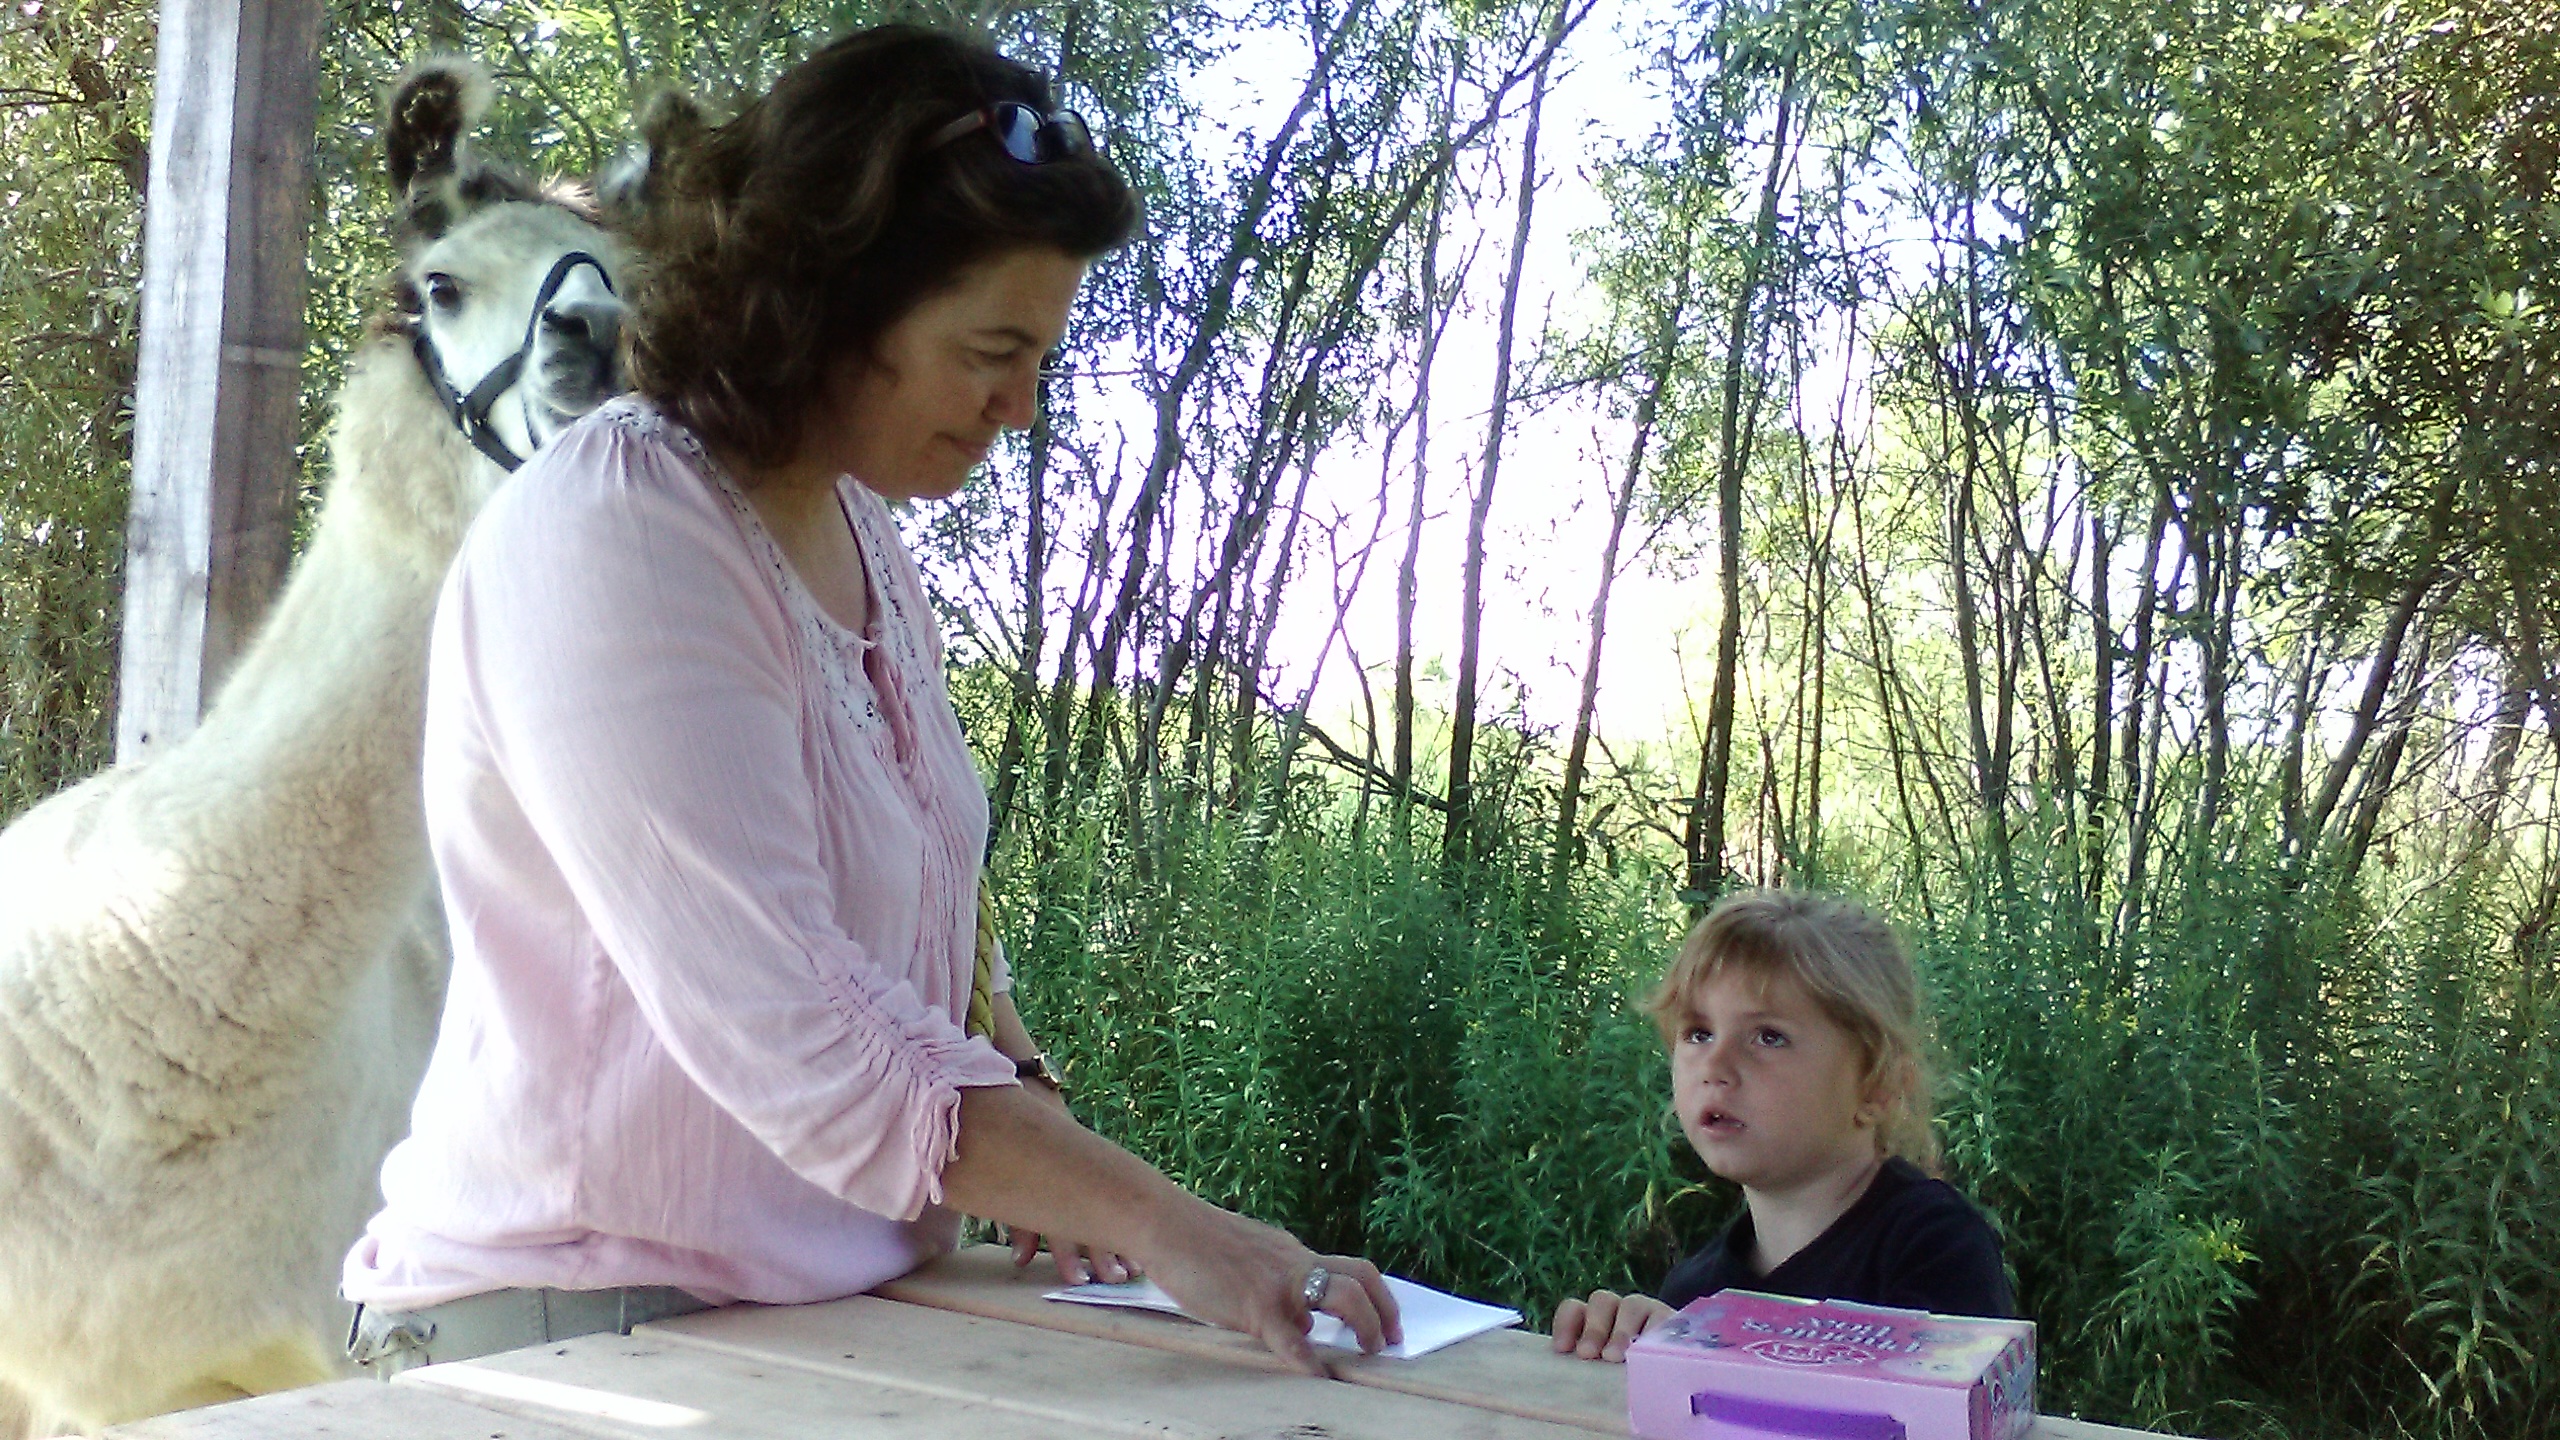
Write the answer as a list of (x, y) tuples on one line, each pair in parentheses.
[(963, 1348)]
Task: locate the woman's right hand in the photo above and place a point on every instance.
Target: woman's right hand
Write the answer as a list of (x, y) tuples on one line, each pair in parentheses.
[(1251, 1277)]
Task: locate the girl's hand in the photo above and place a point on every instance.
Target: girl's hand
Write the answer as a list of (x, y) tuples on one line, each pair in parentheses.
[(1249, 1276), (1599, 1328)]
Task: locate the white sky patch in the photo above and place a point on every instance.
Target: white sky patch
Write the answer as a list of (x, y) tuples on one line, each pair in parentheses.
[(1550, 516)]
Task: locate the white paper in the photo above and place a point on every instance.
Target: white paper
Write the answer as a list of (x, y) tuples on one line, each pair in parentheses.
[(1432, 1318)]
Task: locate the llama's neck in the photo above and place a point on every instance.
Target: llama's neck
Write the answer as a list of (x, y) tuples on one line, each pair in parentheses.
[(307, 766), (328, 698)]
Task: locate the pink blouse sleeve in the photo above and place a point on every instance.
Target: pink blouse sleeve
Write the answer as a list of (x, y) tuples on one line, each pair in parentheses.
[(633, 678)]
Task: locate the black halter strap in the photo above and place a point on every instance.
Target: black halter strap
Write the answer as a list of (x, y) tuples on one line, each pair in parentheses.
[(471, 412)]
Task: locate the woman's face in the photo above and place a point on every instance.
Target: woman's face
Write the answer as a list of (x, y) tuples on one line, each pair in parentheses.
[(914, 420)]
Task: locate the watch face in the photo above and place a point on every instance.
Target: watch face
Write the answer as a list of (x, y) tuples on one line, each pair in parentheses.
[(1036, 1068)]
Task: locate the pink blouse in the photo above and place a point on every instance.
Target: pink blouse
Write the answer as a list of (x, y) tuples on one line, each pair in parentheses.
[(710, 862)]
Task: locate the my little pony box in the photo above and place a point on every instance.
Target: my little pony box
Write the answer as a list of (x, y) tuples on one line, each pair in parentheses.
[(1739, 1365)]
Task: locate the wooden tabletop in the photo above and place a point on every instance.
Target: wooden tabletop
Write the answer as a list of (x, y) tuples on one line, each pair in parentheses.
[(964, 1347), (1514, 1372)]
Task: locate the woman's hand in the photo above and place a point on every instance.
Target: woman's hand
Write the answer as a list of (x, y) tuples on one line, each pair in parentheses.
[(1599, 1328), (1076, 1263), (1251, 1277), (1023, 1163)]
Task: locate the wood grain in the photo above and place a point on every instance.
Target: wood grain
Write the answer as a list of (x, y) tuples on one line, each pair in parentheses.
[(1078, 1381), (877, 1369), (218, 390), (817, 1377), (364, 1408), (1509, 1371)]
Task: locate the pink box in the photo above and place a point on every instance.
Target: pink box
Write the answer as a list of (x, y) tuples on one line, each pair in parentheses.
[(1739, 1365)]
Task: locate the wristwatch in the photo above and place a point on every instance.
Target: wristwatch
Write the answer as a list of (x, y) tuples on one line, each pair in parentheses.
[(1034, 1067)]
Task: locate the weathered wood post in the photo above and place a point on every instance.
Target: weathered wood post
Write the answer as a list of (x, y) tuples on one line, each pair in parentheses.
[(224, 272)]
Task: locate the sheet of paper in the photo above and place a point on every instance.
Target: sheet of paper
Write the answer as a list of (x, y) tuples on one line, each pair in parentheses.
[(1432, 1318)]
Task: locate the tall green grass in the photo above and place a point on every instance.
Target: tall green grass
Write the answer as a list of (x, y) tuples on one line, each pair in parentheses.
[(2232, 1213)]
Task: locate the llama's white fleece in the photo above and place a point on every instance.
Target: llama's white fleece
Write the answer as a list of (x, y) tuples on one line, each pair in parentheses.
[(220, 971)]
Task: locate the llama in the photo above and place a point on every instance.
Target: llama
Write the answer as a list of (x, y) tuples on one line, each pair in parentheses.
[(221, 967)]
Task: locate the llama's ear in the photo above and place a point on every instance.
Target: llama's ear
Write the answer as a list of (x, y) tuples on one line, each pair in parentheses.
[(669, 122), (433, 103)]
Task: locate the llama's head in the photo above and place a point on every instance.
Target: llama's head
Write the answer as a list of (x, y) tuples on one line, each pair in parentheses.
[(506, 287)]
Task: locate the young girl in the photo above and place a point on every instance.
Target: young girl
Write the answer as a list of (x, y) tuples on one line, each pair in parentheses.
[(1794, 1027)]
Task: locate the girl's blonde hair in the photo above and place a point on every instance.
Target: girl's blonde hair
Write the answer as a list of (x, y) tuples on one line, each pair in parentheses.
[(1853, 965)]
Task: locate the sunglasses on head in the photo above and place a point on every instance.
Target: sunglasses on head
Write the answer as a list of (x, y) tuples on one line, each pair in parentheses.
[(1026, 134)]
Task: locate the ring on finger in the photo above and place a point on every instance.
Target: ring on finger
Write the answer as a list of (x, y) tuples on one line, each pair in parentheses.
[(1319, 1279)]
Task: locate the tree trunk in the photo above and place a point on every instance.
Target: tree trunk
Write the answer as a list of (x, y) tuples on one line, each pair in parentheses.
[(1706, 867), (2506, 742), (1987, 725), (2374, 789), (2377, 685), (1021, 712), (2218, 593), (2138, 703), (1240, 754), (1896, 744), (1662, 352), (1058, 716), (1218, 304), (1408, 573), (1266, 457), (1457, 844), (2102, 694)]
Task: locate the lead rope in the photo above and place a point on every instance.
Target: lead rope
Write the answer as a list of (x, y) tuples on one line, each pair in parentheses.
[(982, 990)]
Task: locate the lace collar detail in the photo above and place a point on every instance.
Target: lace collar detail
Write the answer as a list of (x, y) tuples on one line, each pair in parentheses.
[(833, 650), (641, 416)]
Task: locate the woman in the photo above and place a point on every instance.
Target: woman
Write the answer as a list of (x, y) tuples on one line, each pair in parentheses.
[(705, 824)]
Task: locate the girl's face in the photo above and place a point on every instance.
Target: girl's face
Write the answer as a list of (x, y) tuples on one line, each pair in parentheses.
[(915, 419), (1769, 1088)]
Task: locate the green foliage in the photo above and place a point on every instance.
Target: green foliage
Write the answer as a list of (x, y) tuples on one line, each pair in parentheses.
[(1305, 1026), (2458, 1279), (1300, 1021), (74, 106)]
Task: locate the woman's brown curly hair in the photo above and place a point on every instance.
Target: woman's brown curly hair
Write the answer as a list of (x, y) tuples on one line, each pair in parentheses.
[(799, 231)]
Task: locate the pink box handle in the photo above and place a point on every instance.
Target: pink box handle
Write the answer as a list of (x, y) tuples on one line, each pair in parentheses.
[(1798, 1422)]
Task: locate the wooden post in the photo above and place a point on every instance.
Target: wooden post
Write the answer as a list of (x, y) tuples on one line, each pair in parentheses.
[(218, 393)]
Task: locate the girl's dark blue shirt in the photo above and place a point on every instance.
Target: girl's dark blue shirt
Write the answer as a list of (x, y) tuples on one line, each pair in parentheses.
[(1909, 1242)]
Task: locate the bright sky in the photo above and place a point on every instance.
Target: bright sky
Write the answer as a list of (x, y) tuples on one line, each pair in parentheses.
[(1550, 514)]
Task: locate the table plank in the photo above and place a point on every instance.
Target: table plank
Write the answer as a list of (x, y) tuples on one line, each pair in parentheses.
[(627, 1387), (350, 1408), (1076, 1379), (1508, 1371), (1511, 1371)]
